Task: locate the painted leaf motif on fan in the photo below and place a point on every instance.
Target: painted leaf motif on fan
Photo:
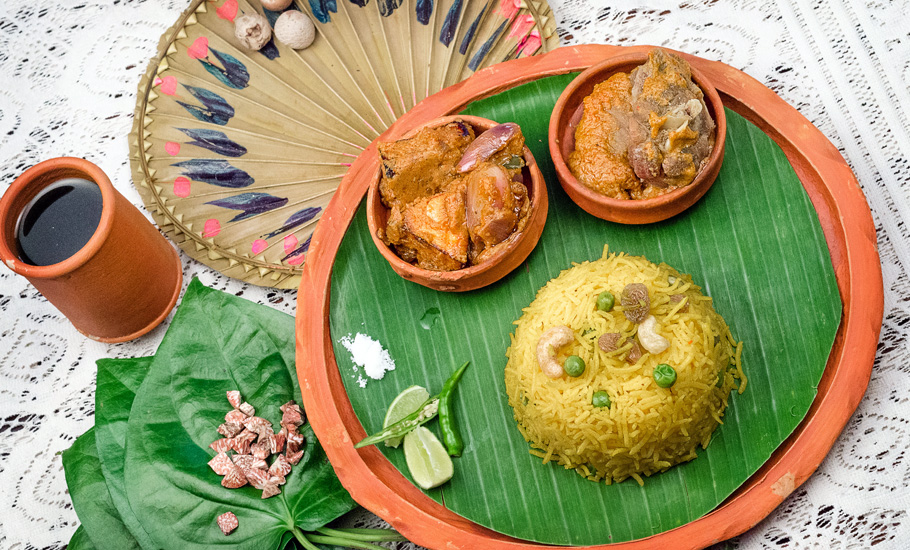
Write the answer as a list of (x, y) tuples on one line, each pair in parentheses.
[(424, 11), (485, 49), (250, 204), (297, 218), (322, 8), (214, 141), (216, 172), (388, 7), (472, 30), (216, 110), (450, 25), (233, 73)]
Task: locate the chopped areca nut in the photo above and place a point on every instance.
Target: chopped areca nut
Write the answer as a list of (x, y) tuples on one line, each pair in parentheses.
[(270, 490), (227, 521), (221, 464), (281, 466), (247, 409), (234, 479), (235, 416), (257, 478), (222, 445), (234, 398), (295, 457), (230, 429), (261, 449), (276, 442)]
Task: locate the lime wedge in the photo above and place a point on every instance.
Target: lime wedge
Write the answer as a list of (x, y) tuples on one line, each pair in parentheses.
[(406, 403), (427, 459)]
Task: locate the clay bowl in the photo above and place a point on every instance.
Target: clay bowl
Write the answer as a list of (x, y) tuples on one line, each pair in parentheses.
[(566, 116), (494, 268)]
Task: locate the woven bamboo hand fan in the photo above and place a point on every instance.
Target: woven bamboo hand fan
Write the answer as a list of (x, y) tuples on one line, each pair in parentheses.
[(237, 152)]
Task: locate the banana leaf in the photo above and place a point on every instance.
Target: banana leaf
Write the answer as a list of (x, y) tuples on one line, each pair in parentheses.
[(753, 243)]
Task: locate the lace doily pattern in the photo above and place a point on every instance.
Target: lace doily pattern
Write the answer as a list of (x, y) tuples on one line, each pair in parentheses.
[(70, 73)]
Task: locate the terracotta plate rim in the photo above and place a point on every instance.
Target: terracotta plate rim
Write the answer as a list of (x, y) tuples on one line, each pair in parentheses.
[(850, 236)]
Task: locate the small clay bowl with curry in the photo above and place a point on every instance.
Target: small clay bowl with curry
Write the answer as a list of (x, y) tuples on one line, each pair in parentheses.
[(457, 203), (638, 138)]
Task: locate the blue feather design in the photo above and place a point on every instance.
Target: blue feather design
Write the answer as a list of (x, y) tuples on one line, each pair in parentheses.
[(300, 249), (388, 7), (469, 36), (250, 204), (216, 110), (270, 50), (447, 34), (215, 172), (215, 141), (234, 73), (322, 9), (424, 11), (485, 49), (297, 218)]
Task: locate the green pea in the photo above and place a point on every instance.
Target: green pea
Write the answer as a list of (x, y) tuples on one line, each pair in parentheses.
[(664, 375), (601, 399), (574, 365), (605, 301)]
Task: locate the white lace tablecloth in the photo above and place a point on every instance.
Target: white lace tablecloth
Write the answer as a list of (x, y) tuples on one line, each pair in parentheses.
[(68, 76)]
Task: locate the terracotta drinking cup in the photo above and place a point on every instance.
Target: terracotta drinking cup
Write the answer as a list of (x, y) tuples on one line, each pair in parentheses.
[(122, 283)]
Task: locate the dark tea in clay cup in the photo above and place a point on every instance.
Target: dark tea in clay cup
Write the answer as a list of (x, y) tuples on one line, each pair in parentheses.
[(88, 250)]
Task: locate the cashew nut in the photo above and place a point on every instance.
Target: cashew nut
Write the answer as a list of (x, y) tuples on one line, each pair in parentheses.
[(551, 340), (649, 338)]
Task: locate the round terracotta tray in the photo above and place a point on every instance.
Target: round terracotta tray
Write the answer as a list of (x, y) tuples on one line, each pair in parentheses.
[(850, 235)]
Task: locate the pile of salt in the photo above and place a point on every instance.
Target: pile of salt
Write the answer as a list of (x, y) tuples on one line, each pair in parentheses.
[(369, 355)]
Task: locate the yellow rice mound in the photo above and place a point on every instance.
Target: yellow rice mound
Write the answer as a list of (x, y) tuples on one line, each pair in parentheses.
[(647, 429)]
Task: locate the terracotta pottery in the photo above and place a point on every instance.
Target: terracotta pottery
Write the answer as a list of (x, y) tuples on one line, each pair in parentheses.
[(565, 118), (495, 267), (117, 287), (849, 234)]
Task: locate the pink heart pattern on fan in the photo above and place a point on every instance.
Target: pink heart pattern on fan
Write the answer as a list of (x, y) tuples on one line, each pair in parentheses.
[(290, 243), (172, 148), (212, 228), (259, 245), (228, 10), (182, 187), (199, 48), (167, 85)]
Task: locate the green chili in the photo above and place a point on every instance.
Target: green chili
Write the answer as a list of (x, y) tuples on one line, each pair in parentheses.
[(421, 416), (450, 436), (430, 408)]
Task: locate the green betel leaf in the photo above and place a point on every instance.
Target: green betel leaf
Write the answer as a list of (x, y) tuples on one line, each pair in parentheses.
[(753, 243), (101, 522), (117, 383), (216, 343), (80, 540)]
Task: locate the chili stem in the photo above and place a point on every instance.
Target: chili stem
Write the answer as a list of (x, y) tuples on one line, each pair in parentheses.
[(366, 535)]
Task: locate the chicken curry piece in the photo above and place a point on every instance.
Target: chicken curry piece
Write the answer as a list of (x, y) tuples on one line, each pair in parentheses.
[(454, 198)]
